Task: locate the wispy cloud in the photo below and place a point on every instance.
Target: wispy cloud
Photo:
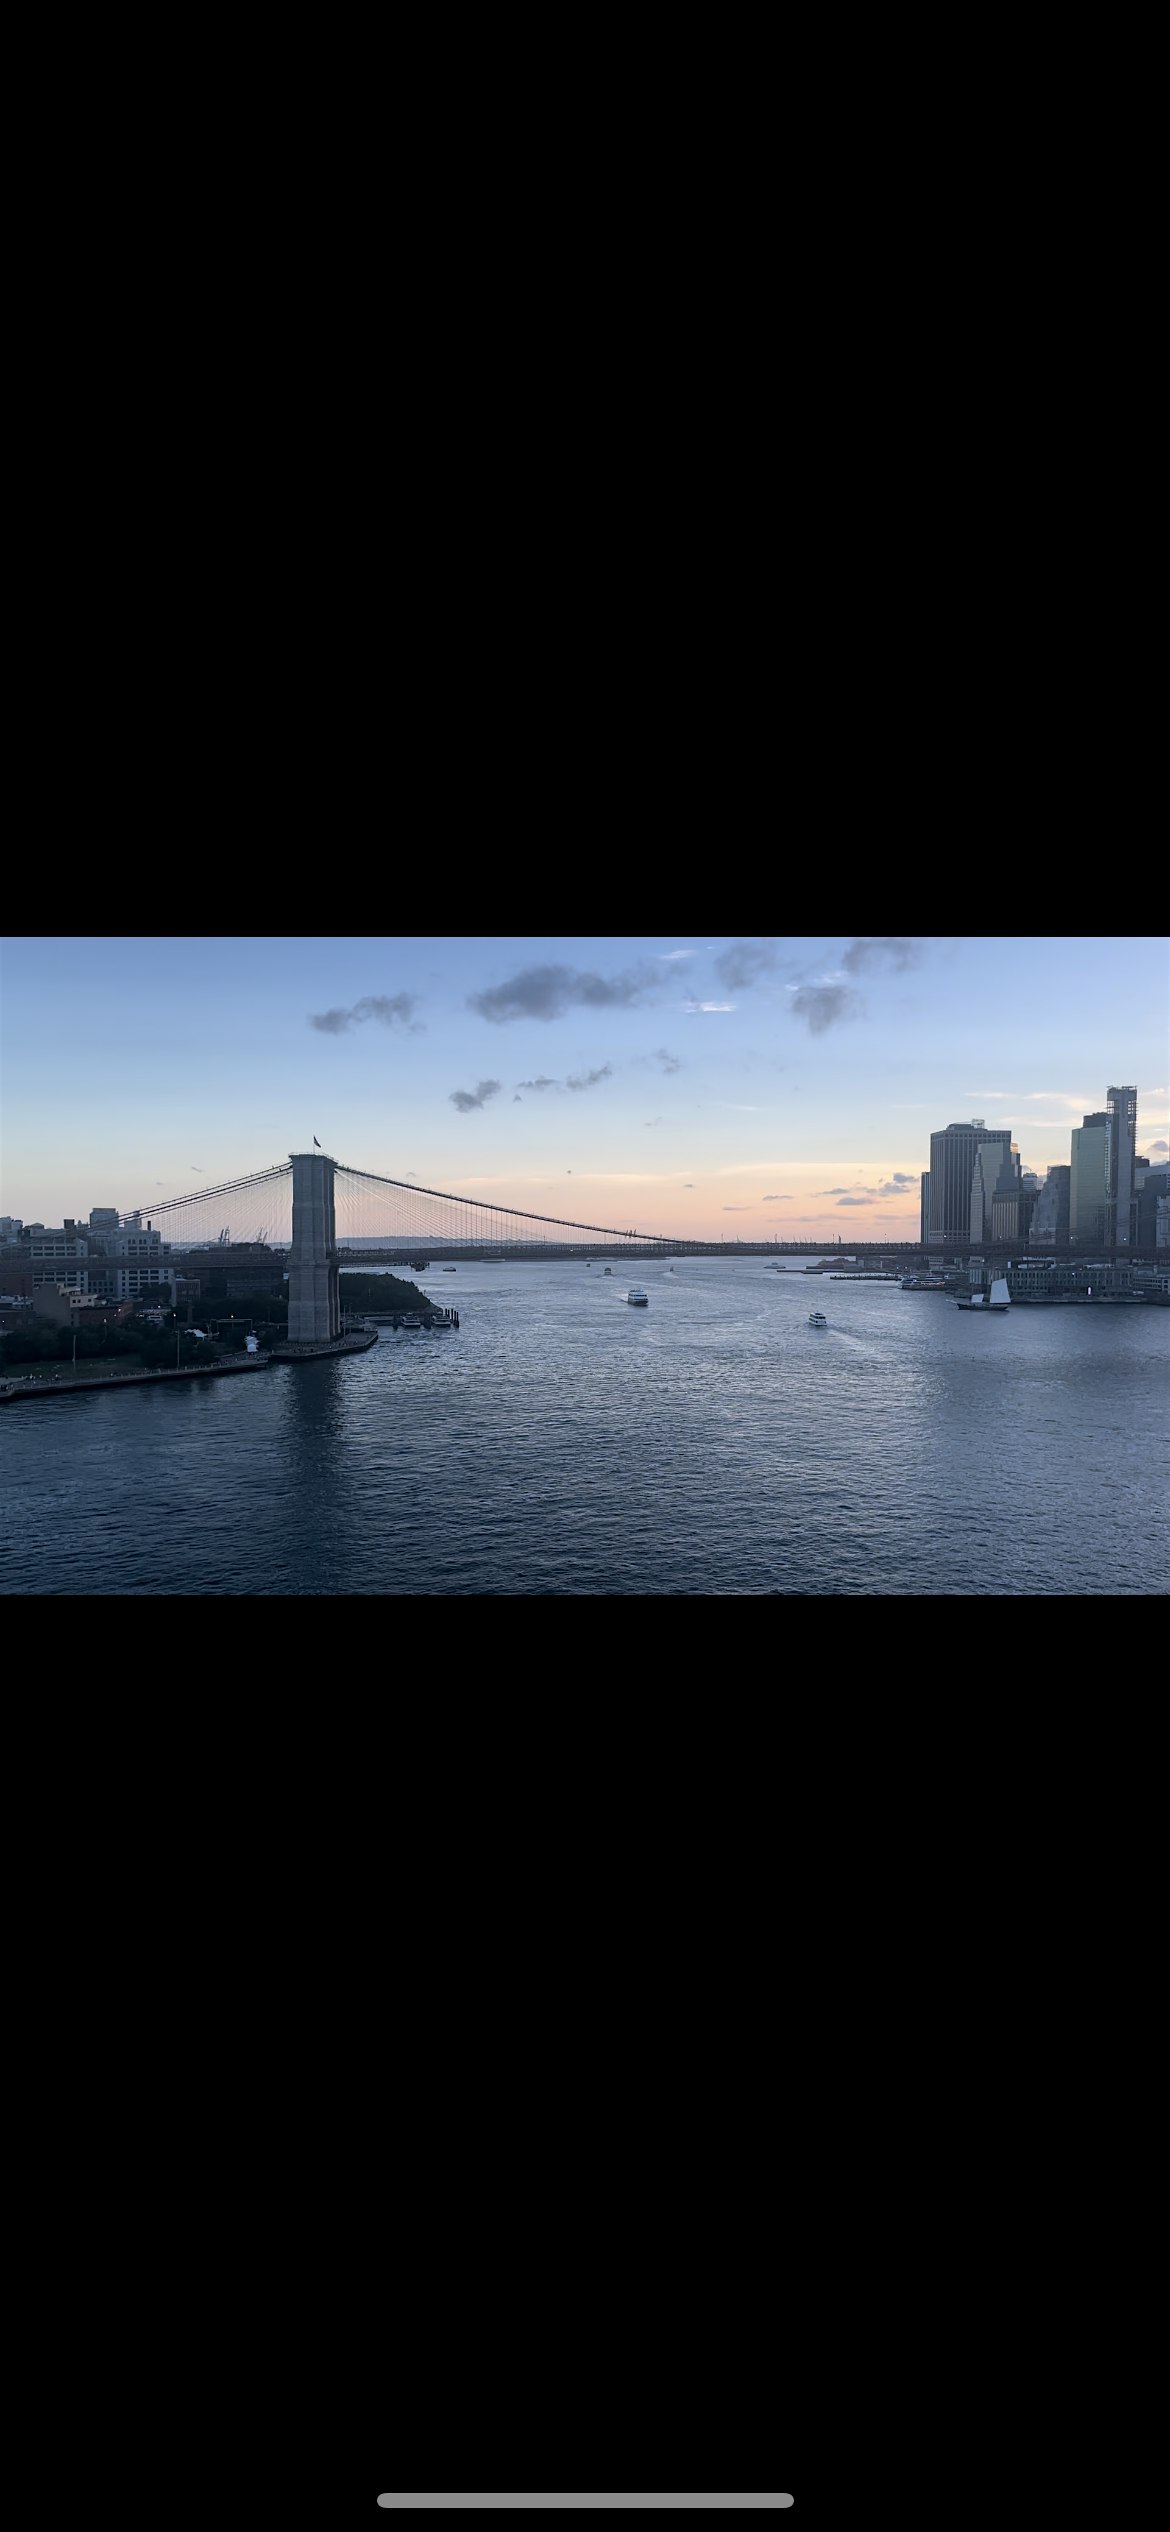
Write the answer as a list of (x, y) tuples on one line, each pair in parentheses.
[(393, 1010), (477, 1098), (709, 1006), (775, 1200), (903, 1183), (883, 952), (824, 1005), (739, 1208), (744, 963), (669, 956), (542, 993), (574, 1081), (662, 1055), (854, 1200), (1063, 1098)]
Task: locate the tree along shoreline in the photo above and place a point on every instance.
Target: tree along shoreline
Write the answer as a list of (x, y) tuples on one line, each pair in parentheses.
[(228, 1320)]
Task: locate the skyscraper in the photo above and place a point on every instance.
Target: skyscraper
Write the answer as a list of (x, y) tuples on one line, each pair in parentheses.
[(924, 1209), (1089, 1179), (1122, 1110), (995, 1194), (1153, 1188), (1050, 1219), (952, 1169)]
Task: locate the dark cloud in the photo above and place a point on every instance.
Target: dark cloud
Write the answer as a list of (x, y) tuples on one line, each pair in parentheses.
[(876, 953), (854, 1200), (670, 1063), (393, 1010), (542, 993), (477, 1098), (1154, 1147), (544, 1081), (775, 1200), (688, 1182), (821, 1005), (517, 1101), (744, 963)]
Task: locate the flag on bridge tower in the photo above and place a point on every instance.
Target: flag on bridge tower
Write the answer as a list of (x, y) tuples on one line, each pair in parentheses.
[(316, 1145)]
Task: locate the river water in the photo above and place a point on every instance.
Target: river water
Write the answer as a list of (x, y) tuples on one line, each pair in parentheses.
[(562, 1442)]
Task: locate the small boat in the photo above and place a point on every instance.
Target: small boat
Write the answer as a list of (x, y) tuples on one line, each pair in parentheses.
[(450, 1270), (999, 1298), (609, 1270), (817, 1319), (975, 1301), (640, 1299)]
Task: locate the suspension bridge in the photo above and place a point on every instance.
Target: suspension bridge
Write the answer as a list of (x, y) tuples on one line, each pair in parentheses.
[(370, 1212), (327, 1215)]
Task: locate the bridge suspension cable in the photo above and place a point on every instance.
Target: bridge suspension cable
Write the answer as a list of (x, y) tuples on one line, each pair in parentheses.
[(479, 1205), (258, 1209)]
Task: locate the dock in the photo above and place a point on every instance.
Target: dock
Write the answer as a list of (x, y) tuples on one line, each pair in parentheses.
[(320, 1349)]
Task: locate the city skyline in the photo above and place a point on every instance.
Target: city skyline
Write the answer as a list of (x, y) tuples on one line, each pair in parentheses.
[(708, 1086)]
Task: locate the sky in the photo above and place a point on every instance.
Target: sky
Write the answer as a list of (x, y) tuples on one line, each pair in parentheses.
[(701, 1088)]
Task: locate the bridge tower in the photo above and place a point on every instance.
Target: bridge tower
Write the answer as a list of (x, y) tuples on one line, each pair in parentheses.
[(314, 1307)]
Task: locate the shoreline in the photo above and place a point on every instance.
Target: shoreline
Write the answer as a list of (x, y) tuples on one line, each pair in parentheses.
[(127, 1380)]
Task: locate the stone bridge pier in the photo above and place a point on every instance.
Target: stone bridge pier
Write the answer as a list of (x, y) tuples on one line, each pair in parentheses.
[(314, 1306)]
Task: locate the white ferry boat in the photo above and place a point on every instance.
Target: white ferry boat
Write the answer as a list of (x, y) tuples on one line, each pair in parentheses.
[(640, 1299)]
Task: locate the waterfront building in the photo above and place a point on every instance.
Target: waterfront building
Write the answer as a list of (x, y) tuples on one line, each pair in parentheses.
[(59, 1256), (924, 1208)]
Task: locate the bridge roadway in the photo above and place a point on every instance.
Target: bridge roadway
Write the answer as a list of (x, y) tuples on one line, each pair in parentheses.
[(903, 1253), (517, 1253), (906, 1254)]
